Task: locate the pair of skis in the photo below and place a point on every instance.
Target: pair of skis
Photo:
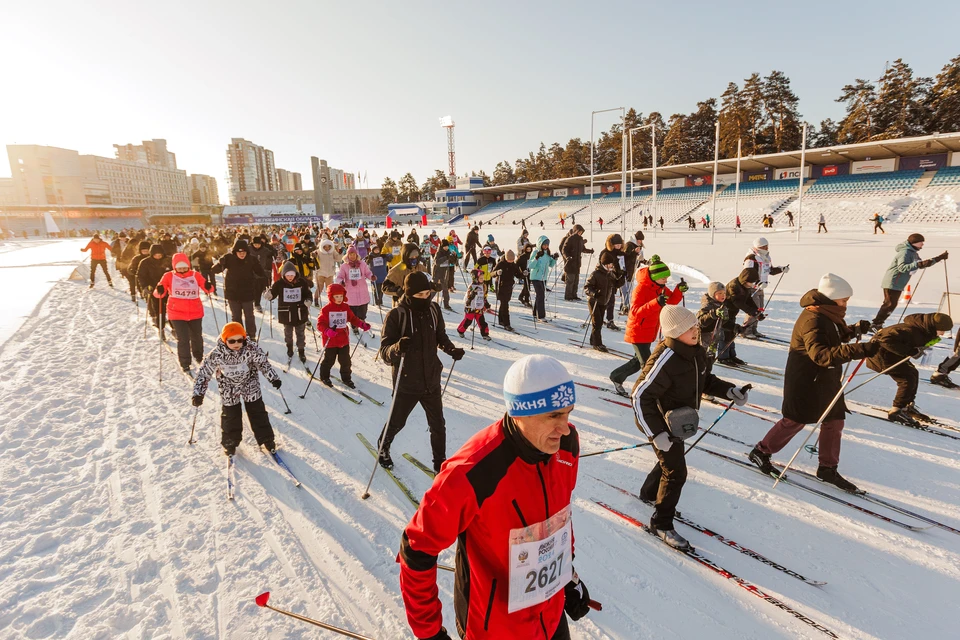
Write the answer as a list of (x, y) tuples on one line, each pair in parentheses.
[(232, 472), (751, 370), (610, 350)]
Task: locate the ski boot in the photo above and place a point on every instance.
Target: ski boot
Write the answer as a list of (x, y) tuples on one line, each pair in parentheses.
[(437, 465), (110, 283), (270, 446), (91, 285), (830, 476), (618, 387), (672, 538), (900, 416), (385, 460), (915, 413), (356, 332), (327, 381), (302, 356), (229, 450), (610, 325), (486, 337), (461, 334), (447, 307), (762, 460), (600, 348), (737, 362), (290, 351), (943, 380), (349, 383)]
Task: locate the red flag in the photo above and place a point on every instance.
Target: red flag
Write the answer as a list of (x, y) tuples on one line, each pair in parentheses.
[(389, 222)]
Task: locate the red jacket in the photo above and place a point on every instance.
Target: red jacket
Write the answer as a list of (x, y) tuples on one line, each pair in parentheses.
[(643, 323), (496, 482), (184, 301), (98, 249), (338, 314)]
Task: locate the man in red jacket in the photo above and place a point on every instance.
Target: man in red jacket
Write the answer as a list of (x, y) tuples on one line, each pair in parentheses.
[(504, 498), (98, 258), (650, 295)]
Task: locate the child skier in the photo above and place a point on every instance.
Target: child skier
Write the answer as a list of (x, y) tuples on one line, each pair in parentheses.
[(353, 275), (410, 263), (911, 337), (740, 292), (292, 291), (507, 273), (539, 265), (378, 267), (711, 317), (332, 325), (326, 259), (673, 379), (304, 263), (235, 361), (599, 288), (486, 264), (474, 306), (182, 288)]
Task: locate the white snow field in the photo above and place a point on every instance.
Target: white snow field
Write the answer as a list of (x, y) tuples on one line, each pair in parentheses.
[(112, 526)]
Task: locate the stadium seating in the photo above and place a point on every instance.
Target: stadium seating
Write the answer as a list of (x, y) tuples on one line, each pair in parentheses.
[(946, 178), (887, 183)]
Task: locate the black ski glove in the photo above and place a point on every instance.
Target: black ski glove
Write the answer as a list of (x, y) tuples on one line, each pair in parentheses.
[(539, 254), (576, 599), (942, 256), (556, 256), (761, 317), (402, 345), (440, 635), (456, 353), (861, 327), (662, 300), (161, 289), (197, 401), (276, 383)]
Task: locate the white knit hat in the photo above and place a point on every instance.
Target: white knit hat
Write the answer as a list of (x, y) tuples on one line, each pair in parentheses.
[(676, 320), (537, 384), (834, 287), (760, 242)]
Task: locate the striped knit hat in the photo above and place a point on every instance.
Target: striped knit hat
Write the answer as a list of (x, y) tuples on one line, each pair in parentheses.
[(658, 270)]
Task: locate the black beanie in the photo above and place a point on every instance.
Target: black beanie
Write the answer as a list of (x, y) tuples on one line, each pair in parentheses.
[(942, 322), (639, 236), (914, 238), (415, 283)]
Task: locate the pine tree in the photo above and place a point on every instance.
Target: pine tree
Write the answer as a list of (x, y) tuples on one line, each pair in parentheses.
[(824, 136), (701, 127), (676, 144), (407, 188), (486, 178), (575, 160), (900, 108), (944, 102), (554, 158), (503, 174), (782, 113), (607, 158), (388, 192), (433, 184), (755, 142), (734, 120), (858, 125)]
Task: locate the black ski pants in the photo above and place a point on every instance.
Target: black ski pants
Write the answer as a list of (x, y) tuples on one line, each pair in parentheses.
[(189, 340), (571, 283), (288, 333), (432, 405), (470, 253), (539, 303), (231, 424), (93, 270), (664, 484), (242, 312), (524, 296), (341, 354), (641, 352), (890, 299), (908, 380), (596, 320), (360, 311), (156, 307), (952, 361), (503, 312)]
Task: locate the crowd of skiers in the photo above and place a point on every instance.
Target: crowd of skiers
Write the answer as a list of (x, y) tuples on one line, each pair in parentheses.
[(530, 456)]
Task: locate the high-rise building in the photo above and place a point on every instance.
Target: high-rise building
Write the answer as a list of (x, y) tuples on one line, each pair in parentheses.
[(46, 175), (288, 180), (202, 189), (8, 192), (152, 152), (158, 190), (251, 168), (341, 180)]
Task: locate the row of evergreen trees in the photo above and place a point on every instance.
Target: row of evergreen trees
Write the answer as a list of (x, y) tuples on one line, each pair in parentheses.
[(764, 114)]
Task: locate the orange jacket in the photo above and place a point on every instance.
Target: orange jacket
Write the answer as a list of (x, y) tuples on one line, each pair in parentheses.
[(643, 323), (98, 249)]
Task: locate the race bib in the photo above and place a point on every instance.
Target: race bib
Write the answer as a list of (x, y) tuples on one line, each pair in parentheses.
[(494, 254), (477, 302), (338, 319), (239, 369), (540, 562), (378, 262), (292, 295), (354, 274), (395, 251), (184, 288)]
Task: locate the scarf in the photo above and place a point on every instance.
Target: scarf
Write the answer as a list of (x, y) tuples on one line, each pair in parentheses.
[(353, 265), (834, 312)]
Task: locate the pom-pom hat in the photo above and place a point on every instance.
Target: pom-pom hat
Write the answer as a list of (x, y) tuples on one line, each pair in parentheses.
[(537, 384)]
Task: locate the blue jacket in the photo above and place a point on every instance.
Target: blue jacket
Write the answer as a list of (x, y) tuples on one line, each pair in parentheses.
[(540, 267), (904, 264)]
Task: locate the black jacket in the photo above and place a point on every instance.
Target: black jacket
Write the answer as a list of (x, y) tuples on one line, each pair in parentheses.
[(473, 240), (898, 341), (739, 298), (814, 373), (150, 269), (630, 258), (509, 273), (675, 375), (573, 250), (292, 312), (169, 247), (599, 287), (707, 315), (421, 366), (244, 280), (264, 255)]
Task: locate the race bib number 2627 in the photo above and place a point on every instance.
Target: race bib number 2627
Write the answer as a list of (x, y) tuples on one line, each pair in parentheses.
[(540, 561)]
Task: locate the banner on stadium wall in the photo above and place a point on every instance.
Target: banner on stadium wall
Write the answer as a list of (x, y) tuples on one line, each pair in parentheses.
[(726, 178), (873, 166), (576, 191), (594, 190), (955, 159), (673, 183), (927, 163), (509, 196), (699, 181), (533, 195), (560, 193), (249, 218), (611, 188), (828, 170), (757, 176), (792, 173)]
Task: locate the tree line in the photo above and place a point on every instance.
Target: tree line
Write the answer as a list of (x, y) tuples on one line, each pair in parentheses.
[(763, 113)]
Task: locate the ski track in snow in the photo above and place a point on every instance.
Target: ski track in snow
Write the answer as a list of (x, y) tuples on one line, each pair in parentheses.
[(111, 526)]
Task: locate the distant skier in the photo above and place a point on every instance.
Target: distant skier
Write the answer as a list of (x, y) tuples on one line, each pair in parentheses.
[(905, 263), (182, 288), (822, 224), (149, 272), (98, 258), (877, 221), (235, 362), (539, 265), (759, 261)]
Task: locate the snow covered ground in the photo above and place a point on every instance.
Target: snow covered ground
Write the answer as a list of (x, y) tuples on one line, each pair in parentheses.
[(111, 526)]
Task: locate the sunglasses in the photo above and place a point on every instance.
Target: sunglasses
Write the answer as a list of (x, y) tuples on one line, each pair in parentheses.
[(236, 340)]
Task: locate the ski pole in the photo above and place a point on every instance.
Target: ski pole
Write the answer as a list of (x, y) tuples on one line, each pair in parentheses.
[(213, 308), (473, 334), (146, 317), (356, 345), (766, 303), (450, 373), (260, 328), (589, 325), (288, 411), (632, 446), (730, 404), (919, 280), (194, 426), (314, 373), (946, 278), (313, 331), (875, 376), (261, 601), (271, 318), (383, 432), (823, 417)]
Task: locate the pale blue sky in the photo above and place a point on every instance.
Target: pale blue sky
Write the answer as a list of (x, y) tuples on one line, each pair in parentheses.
[(362, 84)]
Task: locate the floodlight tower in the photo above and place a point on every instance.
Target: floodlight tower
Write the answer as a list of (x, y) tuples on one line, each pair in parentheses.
[(447, 123)]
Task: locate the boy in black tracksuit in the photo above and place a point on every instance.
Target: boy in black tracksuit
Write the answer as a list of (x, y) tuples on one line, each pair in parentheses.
[(292, 291), (600, 288), (508, 272), (675, 375), (614, 245), (524, 297), (740, 292), (909, 338)]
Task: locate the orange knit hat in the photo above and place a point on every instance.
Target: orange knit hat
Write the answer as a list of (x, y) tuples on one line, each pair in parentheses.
[(232, 329)]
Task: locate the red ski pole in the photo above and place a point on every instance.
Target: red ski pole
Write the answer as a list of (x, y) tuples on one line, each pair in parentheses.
[(262, 602)]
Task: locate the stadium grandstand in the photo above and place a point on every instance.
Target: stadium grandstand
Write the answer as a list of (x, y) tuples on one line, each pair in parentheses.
[(914, 180)]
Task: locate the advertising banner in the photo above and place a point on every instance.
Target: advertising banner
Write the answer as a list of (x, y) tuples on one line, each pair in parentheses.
[(509, 196), (533, 195), (611, 188), (757, 176), (545, 193), (792, 173), (673, 183), (955, 159), (873, 166), (560, 193), (576, 191), (249, 218), (699, 181), (726, 178), (595, 190), (927, 163), (828, 170)]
